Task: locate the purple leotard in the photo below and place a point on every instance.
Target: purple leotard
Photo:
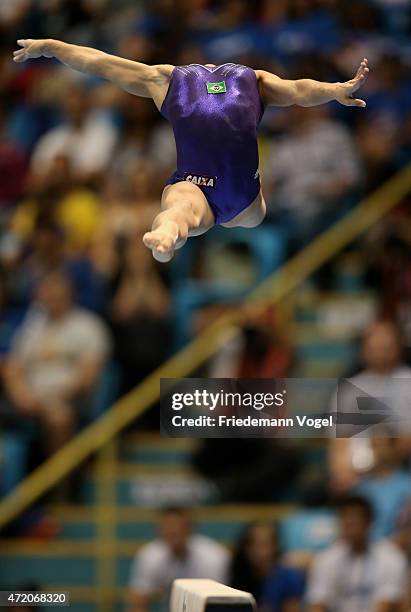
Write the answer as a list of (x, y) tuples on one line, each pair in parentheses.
[(215, 114)]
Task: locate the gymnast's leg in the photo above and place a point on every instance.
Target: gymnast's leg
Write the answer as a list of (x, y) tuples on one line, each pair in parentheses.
[(250, 217), (185, 212)]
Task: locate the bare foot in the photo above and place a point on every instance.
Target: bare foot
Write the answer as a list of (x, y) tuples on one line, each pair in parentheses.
[(162, 242)]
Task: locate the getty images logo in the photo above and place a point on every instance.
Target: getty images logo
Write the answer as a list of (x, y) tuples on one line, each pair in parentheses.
[(225, 399)]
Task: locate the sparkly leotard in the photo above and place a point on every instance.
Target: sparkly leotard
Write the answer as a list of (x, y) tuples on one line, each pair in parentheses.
[(215, 114)]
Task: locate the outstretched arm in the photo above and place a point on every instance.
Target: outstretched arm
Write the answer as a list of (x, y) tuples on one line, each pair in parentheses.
[(134, 77), (306, 92)]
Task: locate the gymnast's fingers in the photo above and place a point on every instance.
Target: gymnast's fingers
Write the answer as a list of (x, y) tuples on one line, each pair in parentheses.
[(354, 102), (24, 42), (362, 73), (19, 56)]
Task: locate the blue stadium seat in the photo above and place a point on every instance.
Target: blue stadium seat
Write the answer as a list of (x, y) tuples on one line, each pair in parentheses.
[(309, 530), (13, 452), (267, 248)]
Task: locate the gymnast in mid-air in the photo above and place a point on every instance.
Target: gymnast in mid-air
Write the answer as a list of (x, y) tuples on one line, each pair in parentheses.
[(215, 112)]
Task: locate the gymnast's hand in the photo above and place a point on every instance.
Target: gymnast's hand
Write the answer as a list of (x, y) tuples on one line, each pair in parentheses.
[(32, 49), (345, 91)]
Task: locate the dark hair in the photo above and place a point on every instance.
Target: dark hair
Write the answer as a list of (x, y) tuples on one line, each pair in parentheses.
[(4, 284), (46, 223), (242, 575), (358, 502)]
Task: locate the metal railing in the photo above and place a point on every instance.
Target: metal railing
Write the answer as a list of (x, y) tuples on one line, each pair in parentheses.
[(271, 291)]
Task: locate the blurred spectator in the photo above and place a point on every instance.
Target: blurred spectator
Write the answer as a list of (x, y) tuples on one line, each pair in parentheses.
[(261, 351), (96, 179), (363, 34), (381, 139), (382, 353), (86, 137), (46, 252), (55, 361), (256, 567), (10, 318), (354, 575), (12, 11), (60, 199), (130, 206), (231, 33), (241, 468), (305, 28), (387, 251), (310, 172), (139, 115), (397, 14), (77, 17), (167, 23), (389, 92), (377, 143), (384, 376), (144, 137), (13, 168), (387, 486), (137, 312), (178, 553)]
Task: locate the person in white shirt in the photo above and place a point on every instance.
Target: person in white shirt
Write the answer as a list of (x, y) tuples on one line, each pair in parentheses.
[(355, 575), (305, 181), (86, 138), (177, 553), (56, 358)]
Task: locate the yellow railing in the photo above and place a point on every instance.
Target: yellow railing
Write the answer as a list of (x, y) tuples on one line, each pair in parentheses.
[(104, 594), (272, 291)]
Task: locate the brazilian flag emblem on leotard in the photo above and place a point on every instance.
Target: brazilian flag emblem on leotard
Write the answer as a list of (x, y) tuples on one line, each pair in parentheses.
[(216, 88)]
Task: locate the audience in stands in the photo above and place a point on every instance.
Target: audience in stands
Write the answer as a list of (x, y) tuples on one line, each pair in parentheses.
[(177, 553), (48, 251), (142, 140), (403, 539), (387, 252), (387, 486), (55, 361), (86, 136), (58, 196), (82, 166), (308, 185), (13, 169), (384, 378), (138, 316), (10, 319), (246, 469), (130, 206), (355, 574), (260, 351), (256, 567), (81, 170), (241, 468)]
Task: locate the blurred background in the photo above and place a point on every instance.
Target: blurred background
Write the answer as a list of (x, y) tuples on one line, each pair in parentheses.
[(86, 314)]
